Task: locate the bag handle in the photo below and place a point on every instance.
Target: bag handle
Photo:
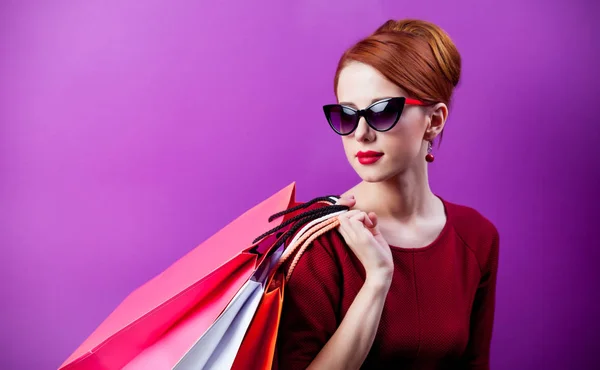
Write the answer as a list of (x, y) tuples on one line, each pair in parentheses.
[(326, 226), (302, 236), (312, 224)]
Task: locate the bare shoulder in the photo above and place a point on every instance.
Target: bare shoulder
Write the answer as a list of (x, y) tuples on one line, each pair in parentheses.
[(352, 191)]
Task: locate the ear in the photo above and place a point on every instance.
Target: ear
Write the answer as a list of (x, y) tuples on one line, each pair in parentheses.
[(437, 119)]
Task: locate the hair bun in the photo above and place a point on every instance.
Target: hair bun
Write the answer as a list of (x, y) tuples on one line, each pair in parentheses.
[(443, 48)]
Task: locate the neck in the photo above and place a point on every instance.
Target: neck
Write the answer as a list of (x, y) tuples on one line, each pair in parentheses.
[(404, 197)]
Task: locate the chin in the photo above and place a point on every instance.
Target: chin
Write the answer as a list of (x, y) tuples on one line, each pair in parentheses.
[(372, 180), (374, 175), (378, 173)]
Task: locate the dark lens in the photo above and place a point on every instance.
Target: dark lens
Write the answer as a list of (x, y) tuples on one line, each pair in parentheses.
[(342, 119), (384, 115)]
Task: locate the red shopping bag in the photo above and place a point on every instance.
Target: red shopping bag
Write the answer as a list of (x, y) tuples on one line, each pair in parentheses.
[(170, 310), (258, 347)]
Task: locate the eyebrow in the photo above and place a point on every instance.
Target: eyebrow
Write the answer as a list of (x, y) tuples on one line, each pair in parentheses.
[(372, 101)]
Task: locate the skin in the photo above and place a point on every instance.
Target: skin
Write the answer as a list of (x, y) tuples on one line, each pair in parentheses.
[(392, 205)]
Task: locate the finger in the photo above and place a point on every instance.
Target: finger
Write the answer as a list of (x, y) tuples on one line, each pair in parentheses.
[(363, 218), (373, 218), (360, 233), (352, 222), (375, 229), (350, 214), (345, 229), (347, 201), (357, 223), (368, 222), (355, 214), (342, 231)]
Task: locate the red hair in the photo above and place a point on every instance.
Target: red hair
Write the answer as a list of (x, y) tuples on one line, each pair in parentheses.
[(416, 55)]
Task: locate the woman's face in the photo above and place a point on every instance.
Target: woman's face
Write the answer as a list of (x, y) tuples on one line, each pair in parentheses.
[(401, 148)]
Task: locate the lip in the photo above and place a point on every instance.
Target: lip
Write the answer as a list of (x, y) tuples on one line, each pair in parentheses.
[(369, 157), (369, 154)]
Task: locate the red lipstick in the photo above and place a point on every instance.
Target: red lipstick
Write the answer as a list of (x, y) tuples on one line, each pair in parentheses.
[(369, 157)]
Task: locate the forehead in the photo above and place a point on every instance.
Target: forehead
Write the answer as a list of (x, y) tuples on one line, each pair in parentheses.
[(360, 84)]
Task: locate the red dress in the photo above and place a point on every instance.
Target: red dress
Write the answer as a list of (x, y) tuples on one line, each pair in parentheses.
[(439, 311)]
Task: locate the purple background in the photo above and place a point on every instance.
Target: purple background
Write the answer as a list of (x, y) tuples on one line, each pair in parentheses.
[(130, 131)]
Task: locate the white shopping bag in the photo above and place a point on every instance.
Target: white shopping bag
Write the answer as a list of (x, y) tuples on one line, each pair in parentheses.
[(218, 346)]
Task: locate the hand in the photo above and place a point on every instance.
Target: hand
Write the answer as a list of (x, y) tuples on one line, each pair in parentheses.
[(361, 233)]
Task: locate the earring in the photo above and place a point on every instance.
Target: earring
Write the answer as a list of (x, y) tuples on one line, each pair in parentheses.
[(429, 157)]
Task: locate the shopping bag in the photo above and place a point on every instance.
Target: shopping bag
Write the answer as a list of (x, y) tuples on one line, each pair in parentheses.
[(218, 346), (219, 343), (153, 311), (257, 350), (167, 350)]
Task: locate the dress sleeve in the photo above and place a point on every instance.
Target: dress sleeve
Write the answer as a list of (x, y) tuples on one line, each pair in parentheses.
[(311, 302), (477, 356)]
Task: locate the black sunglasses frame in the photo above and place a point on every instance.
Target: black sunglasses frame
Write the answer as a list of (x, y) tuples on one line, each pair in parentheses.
[(400, 101)]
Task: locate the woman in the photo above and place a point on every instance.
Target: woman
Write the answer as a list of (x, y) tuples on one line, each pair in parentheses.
[(408, 279)]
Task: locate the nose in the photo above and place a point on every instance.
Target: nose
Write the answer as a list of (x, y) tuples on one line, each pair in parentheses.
[(364, 132)]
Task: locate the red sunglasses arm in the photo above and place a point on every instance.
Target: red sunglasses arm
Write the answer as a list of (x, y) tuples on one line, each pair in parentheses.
[(413, 102)]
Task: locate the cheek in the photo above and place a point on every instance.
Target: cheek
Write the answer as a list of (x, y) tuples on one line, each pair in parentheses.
[(398, 145), (405, 139), (348, 146), (413, 123)]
